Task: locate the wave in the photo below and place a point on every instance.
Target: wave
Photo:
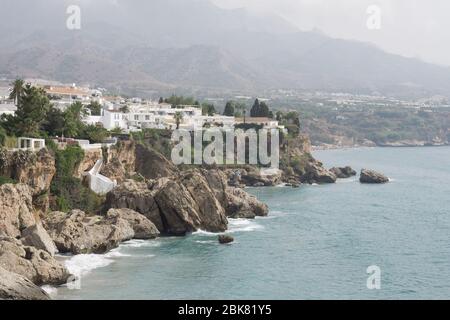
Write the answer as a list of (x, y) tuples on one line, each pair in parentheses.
[(242, 225), (82, 264), (204, 233), (141, 243), (50, 290)]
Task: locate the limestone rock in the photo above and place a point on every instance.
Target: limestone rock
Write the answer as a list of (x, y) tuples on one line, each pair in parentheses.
[(370, 176), (36, 236), (78, 233), (343, 173), (142, 227), (243, 205), (36, 265), (16, 209), (316, 173), (17, 287), (153, 165), (211, 213), (138, 197)]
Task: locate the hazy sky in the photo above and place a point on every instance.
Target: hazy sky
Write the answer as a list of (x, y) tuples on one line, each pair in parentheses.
[(413, 28)]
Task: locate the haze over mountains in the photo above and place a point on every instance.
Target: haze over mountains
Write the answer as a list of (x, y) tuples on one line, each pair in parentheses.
[(144, 47)]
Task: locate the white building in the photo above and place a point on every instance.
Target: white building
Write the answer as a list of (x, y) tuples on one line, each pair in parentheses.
[(159, 116)]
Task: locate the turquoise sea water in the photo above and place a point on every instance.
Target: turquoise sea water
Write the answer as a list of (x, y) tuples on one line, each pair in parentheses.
[(316, 244)]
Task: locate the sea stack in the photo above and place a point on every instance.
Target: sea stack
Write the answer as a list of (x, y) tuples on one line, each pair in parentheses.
[(371, 176)]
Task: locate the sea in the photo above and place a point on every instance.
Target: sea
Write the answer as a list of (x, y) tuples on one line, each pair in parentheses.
[(338, 241)]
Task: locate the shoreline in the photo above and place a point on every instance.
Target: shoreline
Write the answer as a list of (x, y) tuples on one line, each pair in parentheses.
[(336, 147)]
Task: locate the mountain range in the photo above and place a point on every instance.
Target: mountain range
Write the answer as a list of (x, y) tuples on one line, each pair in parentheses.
[(141, 47)]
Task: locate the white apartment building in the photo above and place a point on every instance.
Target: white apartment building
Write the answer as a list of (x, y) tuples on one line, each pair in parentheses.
[(158, 116)]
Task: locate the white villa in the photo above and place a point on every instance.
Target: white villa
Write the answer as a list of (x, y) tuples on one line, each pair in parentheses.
[(158, 116)]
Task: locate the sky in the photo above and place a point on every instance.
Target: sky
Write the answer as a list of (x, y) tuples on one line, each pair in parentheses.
[(412, 28)]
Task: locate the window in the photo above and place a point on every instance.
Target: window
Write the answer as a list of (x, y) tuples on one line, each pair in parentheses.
[(147, 117), (136, 117)]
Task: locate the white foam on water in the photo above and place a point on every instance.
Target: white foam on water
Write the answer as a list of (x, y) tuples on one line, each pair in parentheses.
[(281, 185), (51, 291), (141, 243), (115, 253), (242, 225), (204, 233), (206, 241), (82, 264)]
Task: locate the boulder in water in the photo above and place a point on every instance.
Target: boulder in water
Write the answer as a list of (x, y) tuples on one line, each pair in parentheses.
[(371, 176)]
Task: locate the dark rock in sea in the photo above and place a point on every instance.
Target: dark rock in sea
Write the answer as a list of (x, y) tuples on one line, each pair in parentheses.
[(316, 173), (16, 287), (295, 185), (224, 239), (370, 176), (343, 173)]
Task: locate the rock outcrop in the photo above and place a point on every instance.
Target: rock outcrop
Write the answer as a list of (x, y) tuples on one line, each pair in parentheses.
[(33, 169), (120, 161), (191, 200), (225, 239), (36, 236), (240, 204), (316, 173), (153, 165), (136, 196), (17, 287), (16, 209), (343, 173), (143, 228), (210, 211), (79, 233), (36, 265), (373, 177), (91, 156)]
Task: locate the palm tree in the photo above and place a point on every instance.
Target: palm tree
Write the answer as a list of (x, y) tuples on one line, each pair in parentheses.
[(17, 91), (178, 116)]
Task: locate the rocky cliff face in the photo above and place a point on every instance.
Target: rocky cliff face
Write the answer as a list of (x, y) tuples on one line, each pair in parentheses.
[(120, 161), (16, 209), (152, 164), (191, 200), (299, 166), (91, 156), (33, 169)]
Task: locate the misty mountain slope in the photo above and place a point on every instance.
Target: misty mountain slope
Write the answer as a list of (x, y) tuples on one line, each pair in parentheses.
[(142, 46)]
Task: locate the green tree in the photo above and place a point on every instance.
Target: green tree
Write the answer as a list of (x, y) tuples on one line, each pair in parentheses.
[(73, 117), (54, 123), (229, 109), (31, 112), (93, 133), (96, 108), (256, 108), (208, 109), (17, 91)]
